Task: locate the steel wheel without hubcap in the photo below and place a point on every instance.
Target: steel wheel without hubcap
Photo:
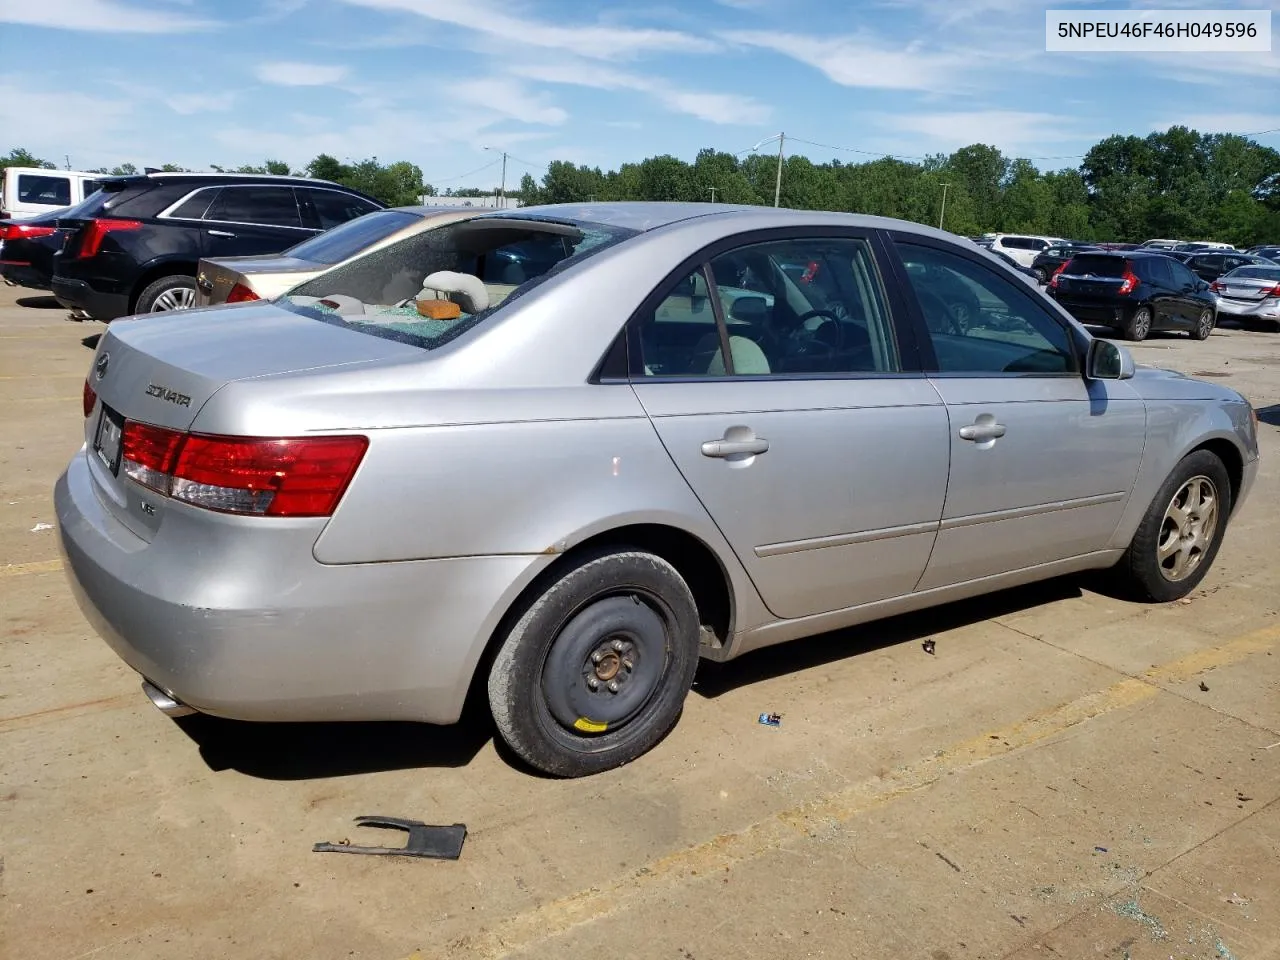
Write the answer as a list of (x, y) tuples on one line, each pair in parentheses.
[(1190, 522), (179, 298), (605, 664)]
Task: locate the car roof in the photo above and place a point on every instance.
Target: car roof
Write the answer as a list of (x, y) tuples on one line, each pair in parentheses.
[(645, 215)]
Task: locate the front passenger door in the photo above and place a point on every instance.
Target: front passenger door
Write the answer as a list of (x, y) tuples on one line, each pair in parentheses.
[(1042, 461), (248, 220)]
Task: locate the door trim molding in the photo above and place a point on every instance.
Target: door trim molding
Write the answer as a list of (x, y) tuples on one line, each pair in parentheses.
[(845, 539), (1018, 513)]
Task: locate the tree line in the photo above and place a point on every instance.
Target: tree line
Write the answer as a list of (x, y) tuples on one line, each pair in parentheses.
[(1176, 183)]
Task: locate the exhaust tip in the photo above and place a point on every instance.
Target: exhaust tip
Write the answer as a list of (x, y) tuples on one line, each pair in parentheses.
[(166, 704)]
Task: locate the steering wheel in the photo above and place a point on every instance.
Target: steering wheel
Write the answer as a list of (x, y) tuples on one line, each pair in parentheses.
[(943, 312), (811, 336)]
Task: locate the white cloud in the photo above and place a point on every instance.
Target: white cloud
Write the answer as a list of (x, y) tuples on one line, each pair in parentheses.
[(596, 41), (1012, 131), (35, 118), (188, 103), (509, 98), (98, 16), (861, 60), (725, 108), (290, 74)]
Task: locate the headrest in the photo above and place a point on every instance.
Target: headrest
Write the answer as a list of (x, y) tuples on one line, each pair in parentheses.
[(466, 291)]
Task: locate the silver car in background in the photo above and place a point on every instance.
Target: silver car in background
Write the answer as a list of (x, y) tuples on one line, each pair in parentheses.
[(562, 453), (265, 277), (1250, 295)]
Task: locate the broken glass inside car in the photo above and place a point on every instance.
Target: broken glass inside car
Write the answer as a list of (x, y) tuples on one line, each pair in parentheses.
[(429, 288)]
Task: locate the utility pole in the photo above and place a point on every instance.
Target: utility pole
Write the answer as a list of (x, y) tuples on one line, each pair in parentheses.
[(713, 194), (943, 212), (777, 186), (68, 159), (502, 190)]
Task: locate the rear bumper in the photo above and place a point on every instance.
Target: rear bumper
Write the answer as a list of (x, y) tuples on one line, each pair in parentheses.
[(78, 295), (1268, 309), (235, 617), (1109, 314), (25, 275)]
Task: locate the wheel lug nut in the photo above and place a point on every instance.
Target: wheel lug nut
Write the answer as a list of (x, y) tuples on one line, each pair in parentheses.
[(613, 686), (628, 664), (593, 683), (597, 657), (617, 646)]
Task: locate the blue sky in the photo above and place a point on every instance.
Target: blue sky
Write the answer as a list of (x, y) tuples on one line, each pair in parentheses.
[(198, 82)]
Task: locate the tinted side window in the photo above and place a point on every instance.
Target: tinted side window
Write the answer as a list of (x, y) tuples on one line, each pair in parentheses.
[(194, 207), (54, 191), (1181, 276), (334, 207), (271, 206), (980, 322)]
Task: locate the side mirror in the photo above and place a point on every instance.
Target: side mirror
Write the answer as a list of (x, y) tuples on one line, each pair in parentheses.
[(1109, 361)]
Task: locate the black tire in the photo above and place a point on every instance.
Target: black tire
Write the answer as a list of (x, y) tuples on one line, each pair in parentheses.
[(1204, 325), (1141, 570), (1139, 324), (1042, 275), (153, 298), (540, 683)]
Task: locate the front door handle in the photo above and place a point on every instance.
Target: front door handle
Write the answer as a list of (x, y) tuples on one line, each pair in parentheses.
[(735, 448), (980, 432), (222, 233)]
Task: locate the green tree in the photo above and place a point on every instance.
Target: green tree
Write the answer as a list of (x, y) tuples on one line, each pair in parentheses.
[(21, 157), (325, 167)]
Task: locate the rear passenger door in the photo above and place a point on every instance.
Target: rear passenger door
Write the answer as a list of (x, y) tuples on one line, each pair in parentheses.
[(1042, 460), (252, 219), (773, 371)]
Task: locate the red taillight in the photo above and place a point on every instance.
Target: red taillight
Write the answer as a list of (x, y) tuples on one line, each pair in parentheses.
[(1128, 280), (1053, 280), (90, 398), (95, 230), (25, 231), (148, 454), (241, 294), (1273, 292), (1216, 286), (284, 477)]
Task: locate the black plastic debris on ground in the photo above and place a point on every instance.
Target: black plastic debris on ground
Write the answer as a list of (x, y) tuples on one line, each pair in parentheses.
[(929, 646), (425, 840)]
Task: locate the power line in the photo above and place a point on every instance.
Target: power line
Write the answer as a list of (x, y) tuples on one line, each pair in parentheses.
[(469, 173)]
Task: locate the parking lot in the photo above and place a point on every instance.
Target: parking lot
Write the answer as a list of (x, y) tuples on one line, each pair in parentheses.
[(1068, 774)]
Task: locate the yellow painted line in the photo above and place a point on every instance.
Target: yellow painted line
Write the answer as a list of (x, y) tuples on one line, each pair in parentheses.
[(23, 569), (558, 917)]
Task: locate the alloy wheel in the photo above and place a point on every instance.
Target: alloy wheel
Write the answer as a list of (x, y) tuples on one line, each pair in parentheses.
[(1187, 532), (178, 298)]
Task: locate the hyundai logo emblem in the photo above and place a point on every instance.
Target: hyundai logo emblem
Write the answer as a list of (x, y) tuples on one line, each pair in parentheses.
[(100, 368)]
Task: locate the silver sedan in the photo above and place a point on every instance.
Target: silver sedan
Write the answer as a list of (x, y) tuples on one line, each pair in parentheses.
[(558, 455)]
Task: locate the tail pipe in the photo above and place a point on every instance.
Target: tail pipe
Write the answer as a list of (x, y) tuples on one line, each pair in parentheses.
[(169, 706)]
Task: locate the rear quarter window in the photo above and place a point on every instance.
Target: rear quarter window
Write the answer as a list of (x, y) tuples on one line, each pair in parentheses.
[(50, 191)]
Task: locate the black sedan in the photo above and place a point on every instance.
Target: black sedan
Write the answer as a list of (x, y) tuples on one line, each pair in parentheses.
[(1135, 293), (1209, 265), (1048, 261)]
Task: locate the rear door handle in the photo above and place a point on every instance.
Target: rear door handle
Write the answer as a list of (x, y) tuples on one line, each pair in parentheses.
[(221, 233), (980, 432), (734, 448)]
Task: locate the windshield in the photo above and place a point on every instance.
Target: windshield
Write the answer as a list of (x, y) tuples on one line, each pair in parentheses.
[(475, 267), (345, 241)]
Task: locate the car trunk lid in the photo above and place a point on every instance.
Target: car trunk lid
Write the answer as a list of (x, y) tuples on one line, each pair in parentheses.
[(1093, 276), (216, 278), (1246, 289), (161, 370)]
